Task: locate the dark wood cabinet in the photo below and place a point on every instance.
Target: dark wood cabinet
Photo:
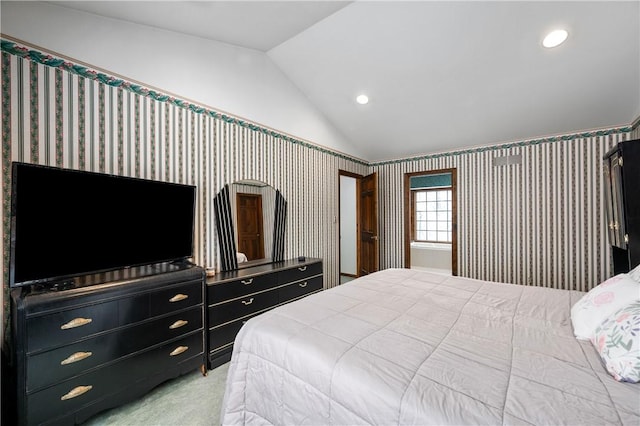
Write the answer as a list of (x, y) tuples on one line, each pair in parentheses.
[(622, 203), (86, 348), (233, 297)]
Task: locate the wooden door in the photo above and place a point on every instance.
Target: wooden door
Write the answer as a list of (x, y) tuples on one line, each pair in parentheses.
[(249, 224), (368, 215)]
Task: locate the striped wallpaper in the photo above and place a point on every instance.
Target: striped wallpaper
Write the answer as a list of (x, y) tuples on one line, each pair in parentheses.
[(539, 223), (56, 113), (635, 133), (544, 214)]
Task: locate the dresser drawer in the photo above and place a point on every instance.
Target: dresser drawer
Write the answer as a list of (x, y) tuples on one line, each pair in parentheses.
[(160, 302), (176, 298), (82, 390), (225, 334), (300, 272), (52, 366), (67, 326), (54, 330), (230, 290), (238, 308), (300, 288)]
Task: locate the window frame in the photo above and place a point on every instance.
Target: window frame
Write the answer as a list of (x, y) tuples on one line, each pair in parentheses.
[(414, 219)]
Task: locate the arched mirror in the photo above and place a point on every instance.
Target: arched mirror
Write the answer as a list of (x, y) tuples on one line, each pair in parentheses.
[(250, 220)]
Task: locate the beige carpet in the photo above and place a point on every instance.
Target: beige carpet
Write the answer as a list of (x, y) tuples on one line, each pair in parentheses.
[(189, 400)]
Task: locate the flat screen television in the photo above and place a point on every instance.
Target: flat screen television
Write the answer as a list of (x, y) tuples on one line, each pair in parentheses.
[(68, 223)]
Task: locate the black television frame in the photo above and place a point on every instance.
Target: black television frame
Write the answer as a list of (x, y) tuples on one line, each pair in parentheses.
[(54, 281)]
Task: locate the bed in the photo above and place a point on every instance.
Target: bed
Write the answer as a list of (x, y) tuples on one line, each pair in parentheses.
[(408, 347)]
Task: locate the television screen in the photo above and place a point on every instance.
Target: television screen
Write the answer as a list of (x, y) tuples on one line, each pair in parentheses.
[(66, 223)]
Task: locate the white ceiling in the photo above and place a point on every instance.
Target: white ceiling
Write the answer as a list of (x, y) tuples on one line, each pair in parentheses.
[(440, 75), (260, 25)]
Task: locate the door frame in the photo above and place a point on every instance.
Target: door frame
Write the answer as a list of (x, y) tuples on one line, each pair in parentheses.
[(454, 215), (357, 177)]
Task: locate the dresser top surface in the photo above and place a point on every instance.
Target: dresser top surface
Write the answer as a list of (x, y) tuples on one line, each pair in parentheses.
[(226, 276), (125, 285)]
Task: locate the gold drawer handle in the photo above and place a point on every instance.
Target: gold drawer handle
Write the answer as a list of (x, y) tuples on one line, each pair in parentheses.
[(178, 297), (78, 356), (178, 324), (302, 269), (178, 350), (247, 302), (77, 391), (303, 285), (247, 282), (77, 322)]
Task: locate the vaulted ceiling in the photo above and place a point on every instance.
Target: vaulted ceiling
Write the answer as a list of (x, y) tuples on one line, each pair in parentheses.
[(439, 75)]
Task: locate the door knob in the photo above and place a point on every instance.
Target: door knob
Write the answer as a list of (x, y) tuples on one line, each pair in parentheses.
[(374, 238)]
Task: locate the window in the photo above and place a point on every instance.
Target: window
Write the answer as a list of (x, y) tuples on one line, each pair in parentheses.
[(432, 215)]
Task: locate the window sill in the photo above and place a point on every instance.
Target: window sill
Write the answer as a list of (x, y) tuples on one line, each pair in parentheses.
[(431, 246)]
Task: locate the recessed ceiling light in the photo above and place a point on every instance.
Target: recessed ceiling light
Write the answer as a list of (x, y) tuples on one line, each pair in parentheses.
[(362, 99), (555, 38)]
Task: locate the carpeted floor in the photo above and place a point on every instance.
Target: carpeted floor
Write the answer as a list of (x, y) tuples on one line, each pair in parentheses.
[(345, 279), (189, 400)]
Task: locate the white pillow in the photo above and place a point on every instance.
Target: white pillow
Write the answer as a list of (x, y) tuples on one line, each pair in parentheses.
[(617, 340), (600, 302), (634, 274)]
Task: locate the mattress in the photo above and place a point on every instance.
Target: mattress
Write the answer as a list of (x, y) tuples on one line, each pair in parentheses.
[(408, 347)]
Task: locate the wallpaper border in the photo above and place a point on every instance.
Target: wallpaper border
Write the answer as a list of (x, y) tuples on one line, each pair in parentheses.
[(507, 145), (35, 56)]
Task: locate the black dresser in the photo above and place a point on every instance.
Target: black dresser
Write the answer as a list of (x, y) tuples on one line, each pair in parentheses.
[(234, 297), (622, 204), (105, 340)]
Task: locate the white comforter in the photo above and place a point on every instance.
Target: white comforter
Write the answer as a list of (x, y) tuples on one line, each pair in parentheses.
[(407, 347)]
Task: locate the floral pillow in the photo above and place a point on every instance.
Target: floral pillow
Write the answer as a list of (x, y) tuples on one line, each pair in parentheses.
[(617, 340), (600, 302)]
